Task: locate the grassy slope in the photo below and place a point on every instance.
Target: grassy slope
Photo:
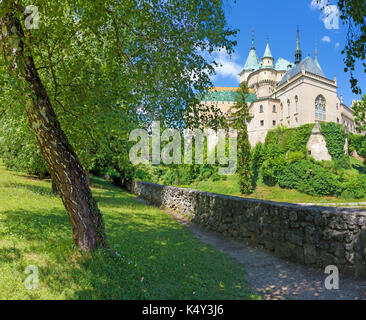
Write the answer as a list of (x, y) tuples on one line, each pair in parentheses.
[(276, 193), (160, 259)]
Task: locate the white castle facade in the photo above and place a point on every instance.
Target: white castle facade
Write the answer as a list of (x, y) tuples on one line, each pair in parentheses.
[(285, 93)]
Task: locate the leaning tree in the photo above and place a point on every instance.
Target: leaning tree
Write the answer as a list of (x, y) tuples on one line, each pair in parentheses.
[(93, 59)]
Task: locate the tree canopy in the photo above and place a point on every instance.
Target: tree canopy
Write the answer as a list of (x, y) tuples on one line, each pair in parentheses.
[(84, 73)]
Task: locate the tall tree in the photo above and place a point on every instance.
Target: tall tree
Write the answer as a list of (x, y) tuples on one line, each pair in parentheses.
[(359, 109), (352, 13), (238, 119), (150, 62)]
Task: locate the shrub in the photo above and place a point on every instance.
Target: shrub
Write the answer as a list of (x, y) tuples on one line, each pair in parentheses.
[(271, 169), (310, 178), (354, 187), (294, 156), (343, 162), (357, 142)]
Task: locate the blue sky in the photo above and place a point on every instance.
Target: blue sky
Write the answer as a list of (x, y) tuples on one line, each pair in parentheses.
[(278, 19)]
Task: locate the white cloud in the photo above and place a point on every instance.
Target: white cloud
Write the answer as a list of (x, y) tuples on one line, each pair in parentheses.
[(326, 39), (227, 67), (329, 15), (318, 4)]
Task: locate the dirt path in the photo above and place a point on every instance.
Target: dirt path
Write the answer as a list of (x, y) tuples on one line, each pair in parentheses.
[(273, 278)]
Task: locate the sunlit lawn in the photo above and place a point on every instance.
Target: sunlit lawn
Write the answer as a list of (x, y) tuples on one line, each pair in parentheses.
[(159, 259), (230, 186)]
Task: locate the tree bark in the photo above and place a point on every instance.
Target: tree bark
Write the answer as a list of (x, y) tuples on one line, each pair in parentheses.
[(64, 165)]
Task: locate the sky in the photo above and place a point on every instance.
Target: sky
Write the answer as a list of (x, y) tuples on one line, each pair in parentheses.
[(278, 21)]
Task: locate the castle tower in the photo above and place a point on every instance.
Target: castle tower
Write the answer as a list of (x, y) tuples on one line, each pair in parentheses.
[(251, 63), (298, 53), (267, 60)]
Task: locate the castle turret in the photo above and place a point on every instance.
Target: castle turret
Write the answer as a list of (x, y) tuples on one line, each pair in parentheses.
[(298, 53), (267, 60), (251, 63)]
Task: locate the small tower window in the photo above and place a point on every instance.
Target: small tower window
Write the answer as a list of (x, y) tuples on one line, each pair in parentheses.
[(261, 109), (274, 108), (262, 123), (274, 123), (288, 106)]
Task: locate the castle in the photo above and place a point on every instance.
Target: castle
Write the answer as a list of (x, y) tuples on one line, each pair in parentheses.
[(285, 93)]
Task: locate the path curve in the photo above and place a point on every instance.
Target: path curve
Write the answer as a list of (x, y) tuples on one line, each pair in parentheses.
[(274, 278)]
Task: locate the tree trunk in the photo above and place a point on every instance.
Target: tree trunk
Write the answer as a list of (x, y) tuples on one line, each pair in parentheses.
[(54, 188), (64, 165)]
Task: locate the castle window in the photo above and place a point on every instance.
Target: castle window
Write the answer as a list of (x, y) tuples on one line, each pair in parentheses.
[(320, 108), (296, 103), (261, 109), (288, 106), (274, 108), (274, 122), (262, 123)]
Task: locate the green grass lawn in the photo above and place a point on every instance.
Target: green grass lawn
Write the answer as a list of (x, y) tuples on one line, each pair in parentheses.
[(230, 186), (160, 259)]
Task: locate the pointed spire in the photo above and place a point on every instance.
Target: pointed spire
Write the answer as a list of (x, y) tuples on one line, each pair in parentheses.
[(298, 53), (267, 53), (298, 39), (252, 60), (316, 56), (316, 50)]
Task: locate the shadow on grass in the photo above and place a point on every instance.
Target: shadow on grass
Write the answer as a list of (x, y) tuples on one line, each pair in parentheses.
[(157, 258), (43, 191)]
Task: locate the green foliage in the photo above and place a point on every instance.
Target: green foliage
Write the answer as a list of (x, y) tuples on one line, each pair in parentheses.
[(357, 142), (359, 111), (310, 178), (353, 13), (343, 162), (257, 158), (354, 186), (295, 156), (290, 139), (335, 138), (18, 147), (238, 120)]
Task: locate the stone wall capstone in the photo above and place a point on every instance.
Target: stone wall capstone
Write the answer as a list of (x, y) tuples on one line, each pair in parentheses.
[(310, 235)]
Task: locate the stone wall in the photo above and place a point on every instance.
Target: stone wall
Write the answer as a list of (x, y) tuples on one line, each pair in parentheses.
[(314, 236)]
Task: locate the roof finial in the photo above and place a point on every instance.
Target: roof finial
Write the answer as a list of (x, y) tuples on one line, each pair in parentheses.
[(298, 53), (316, 49), (316, 55), (253, 38)]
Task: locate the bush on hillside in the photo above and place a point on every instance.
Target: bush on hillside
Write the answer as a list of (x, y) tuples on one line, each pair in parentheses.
[(310, 178), (354, 187), (357, 142)]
